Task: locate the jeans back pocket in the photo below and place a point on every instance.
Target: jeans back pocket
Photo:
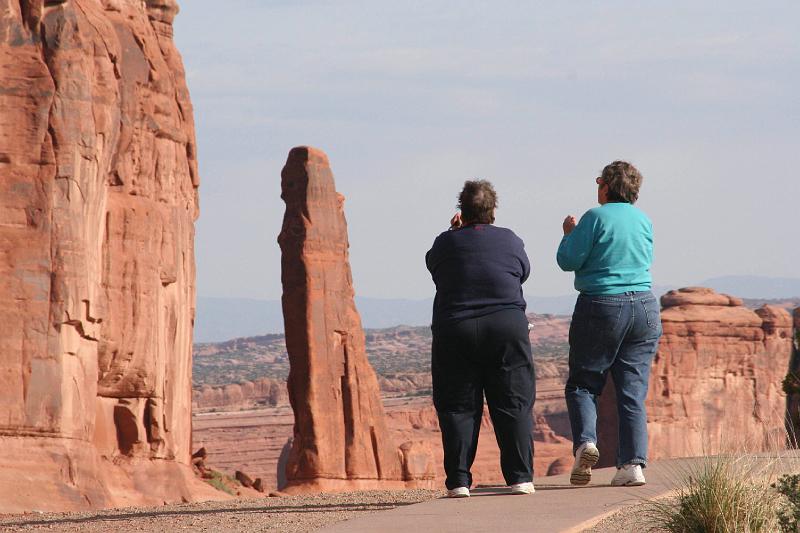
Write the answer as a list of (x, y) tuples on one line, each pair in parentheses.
[(652, 312)]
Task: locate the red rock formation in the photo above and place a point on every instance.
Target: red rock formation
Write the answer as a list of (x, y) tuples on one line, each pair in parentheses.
[(562, 465), (405, 383), (716, 380), (542, 432), (792, 387), (340, 436), (97, 207), (261, 392)]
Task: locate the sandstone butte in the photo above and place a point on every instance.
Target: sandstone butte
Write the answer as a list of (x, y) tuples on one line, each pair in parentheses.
[(98, 200), (715, 385), (341, 441)]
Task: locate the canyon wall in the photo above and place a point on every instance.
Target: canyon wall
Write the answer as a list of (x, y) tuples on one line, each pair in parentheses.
[(268, 392), (716, 381), (792, 387), (340, 436), (97, 208), (264, 392)]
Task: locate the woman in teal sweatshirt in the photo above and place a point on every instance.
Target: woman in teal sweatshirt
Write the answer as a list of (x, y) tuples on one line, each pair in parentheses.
[(616, 324)]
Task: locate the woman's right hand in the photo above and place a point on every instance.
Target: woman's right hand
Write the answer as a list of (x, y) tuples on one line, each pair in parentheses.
[(456, 222)]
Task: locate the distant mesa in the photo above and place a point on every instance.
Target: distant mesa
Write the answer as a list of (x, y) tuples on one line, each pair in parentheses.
[(698, 296), (98, 199), (341, 441)]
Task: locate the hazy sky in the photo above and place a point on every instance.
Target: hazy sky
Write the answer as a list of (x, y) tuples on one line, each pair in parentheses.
[(409, 99)]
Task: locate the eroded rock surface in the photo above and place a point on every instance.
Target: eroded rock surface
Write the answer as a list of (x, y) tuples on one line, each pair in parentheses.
[(340, 436), (716, 382), (249, 394), (98, 199)]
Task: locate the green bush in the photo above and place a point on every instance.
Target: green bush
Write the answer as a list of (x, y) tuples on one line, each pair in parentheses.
[(218, 481), (789, 512)]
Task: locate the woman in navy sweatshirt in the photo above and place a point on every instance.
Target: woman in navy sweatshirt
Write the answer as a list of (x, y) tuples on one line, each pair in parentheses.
[(480, 342)]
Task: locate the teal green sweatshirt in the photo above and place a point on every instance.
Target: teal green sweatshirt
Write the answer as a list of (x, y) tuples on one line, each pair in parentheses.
[(610, 250)]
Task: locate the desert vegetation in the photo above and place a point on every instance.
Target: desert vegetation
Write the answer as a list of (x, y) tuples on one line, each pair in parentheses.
[(718, 494), (736, 492)]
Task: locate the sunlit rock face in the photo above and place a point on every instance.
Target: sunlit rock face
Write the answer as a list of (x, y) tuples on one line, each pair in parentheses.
[(716, 381), (340, 437), (98, 200)]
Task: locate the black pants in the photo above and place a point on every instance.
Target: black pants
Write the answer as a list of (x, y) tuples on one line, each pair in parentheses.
[(491, 355)]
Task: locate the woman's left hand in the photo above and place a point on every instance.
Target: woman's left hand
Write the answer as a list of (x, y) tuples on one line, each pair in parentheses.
[(569, 224)]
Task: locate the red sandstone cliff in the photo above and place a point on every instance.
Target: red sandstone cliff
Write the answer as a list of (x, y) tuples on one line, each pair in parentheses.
[(98, 199), (792, 387), (715, 384), (340, 435)]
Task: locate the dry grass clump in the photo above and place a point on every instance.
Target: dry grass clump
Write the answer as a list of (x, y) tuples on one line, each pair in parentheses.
[(720, 494)]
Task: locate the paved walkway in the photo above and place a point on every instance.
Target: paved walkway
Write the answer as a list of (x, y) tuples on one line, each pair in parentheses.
[(556, 506)]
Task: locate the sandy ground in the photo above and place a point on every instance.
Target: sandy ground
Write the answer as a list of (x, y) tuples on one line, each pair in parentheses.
[(288, 514)]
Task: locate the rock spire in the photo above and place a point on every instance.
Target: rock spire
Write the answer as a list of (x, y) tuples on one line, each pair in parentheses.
[(340, 436)]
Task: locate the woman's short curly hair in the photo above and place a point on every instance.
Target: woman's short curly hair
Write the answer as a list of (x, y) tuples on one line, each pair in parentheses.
[(477, 202), (623, 180)]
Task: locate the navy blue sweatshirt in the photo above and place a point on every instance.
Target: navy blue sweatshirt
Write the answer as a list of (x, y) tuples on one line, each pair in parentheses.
[(478, 270)]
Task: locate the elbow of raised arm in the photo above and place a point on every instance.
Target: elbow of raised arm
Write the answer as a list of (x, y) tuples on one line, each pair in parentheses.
[(564, 263)]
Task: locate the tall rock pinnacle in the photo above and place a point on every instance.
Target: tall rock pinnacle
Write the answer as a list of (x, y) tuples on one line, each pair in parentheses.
[(340, 436)]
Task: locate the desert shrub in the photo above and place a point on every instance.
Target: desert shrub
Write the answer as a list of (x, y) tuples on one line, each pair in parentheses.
[(220, 481), (718, 494), (789, 512), (791, 383)]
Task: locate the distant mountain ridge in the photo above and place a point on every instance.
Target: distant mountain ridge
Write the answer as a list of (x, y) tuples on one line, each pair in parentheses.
[(220, 319), (755, 287)]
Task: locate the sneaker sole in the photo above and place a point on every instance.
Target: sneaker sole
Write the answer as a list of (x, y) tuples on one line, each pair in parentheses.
[(458, 495), (583, 473), (517, 492), (629, 484)]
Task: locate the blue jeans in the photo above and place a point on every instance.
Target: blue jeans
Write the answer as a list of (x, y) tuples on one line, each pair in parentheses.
[(617, 333)]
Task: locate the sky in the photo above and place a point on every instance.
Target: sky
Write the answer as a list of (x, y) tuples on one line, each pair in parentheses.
[(409, 99)]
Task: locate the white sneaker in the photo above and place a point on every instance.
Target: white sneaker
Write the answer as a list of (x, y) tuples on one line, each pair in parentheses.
[(458, 492), (586, 456), (522, 488), (628, 476)]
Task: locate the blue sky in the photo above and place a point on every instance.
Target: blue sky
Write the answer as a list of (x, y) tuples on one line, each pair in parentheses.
[(409, 99)]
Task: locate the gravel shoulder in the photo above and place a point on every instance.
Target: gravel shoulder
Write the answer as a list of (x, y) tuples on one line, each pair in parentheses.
[(287, 514)]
